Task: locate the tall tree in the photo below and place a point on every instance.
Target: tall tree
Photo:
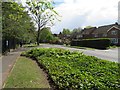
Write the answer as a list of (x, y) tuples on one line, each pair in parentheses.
[(46, 35), (43, 14), (16, 23), (87, 27), (66, 31)]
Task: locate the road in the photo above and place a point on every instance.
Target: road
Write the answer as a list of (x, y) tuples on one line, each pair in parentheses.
[(6, 62), (111, 54)]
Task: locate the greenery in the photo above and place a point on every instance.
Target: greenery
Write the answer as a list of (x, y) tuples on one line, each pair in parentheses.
[(26, 74), (16, 25), (46, 35), (43, 14), (114, 46), (87, 27), (74, 70), (101, 43), (66, 31)]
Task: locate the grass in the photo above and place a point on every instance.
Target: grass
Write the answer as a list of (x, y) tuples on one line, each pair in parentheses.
[(114, 46), (78, 47), (26, 74)]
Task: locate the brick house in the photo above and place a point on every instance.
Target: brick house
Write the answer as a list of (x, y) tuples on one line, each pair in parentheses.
[(108, 31), (114, 34), (87, 33)]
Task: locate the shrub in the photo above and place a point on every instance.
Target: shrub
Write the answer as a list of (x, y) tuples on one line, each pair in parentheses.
[(74, 70), (93, 43)]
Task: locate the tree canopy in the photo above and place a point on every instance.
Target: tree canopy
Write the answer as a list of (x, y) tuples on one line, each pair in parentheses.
[(87, 27), (43, 14), (16, 23), (66, 31), (46, 35)]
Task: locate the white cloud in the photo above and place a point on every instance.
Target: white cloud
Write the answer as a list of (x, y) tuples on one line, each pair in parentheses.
[(80, 13)]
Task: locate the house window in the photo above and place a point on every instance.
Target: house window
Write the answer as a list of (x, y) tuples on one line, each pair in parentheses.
[(114, 32), (114, 40), (87, 33), (104, 35), (96, 35), (79, 36)]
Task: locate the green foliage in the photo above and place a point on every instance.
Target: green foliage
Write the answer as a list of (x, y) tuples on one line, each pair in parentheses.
[(93, 43), (87, 27), (74, 70), (46, 35), (16, 23), (43, 14), (66, 31), (77, 30)]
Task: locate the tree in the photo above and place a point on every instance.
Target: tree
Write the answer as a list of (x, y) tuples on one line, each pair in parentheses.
[(46, 35), (43, 14), (66, 31), (16, 23), (87, 27), (77, 30)]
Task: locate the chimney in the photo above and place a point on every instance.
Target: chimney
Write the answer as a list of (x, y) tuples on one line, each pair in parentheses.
[(119, 12)]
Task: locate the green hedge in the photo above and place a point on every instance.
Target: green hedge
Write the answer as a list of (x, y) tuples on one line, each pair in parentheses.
[(93, 43), (76, 71)]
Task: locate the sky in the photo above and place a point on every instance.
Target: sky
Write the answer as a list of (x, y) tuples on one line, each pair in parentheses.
[(81, 13)]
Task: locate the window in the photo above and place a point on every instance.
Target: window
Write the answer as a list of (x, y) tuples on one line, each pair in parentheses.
[(79, 36), (96, 35), (104, 35), (87, 33), (114, 40), (114, 32)]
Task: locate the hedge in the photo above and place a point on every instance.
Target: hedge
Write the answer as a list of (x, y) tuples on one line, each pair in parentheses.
[(93, 43)]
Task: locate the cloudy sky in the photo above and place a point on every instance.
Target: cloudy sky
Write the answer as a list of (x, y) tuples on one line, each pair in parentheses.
[(81, 13)]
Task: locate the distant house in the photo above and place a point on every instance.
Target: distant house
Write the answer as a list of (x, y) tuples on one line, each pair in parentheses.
[(114, 34), (108, 31), (87, 33)]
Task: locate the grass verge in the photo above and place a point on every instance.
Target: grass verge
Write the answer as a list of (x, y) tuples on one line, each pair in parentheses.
[(26, 74)]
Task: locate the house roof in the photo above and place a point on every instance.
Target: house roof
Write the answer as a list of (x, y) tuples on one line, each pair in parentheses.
[(88, 30), (117, 28), (104, 29)]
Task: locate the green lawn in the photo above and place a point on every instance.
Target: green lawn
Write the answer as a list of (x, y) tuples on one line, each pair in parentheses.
[(26, 74)]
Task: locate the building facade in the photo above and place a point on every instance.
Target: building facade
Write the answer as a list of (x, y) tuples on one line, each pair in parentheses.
[(111, 32)]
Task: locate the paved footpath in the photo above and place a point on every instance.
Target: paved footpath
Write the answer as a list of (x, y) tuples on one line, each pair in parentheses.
[(6, 64)]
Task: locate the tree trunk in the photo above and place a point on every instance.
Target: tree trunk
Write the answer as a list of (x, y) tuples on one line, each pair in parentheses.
[(38, 35)]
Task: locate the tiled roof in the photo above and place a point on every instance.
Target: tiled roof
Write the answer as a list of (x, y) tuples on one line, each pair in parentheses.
[(88, 31), (104, 29)]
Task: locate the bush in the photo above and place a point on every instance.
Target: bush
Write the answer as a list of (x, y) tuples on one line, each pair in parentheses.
[(74, 70), (93, 43)]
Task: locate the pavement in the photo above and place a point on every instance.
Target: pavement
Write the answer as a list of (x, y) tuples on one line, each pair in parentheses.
[(6, 64)]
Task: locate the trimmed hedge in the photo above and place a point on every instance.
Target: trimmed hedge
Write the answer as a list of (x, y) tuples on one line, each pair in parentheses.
[(93, 43)]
